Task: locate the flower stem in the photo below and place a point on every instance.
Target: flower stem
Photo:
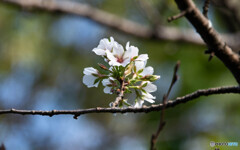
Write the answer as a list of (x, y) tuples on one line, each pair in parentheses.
[(120, 94)]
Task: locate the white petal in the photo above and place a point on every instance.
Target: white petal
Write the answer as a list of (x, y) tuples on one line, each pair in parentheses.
[(88, 80), (127, 45), (111, 39), (110, 56), (125, 62), (134, 51), (149, 100), (139, 103), (90, 71), (148, 97), (107, 90), (105, 82), (114, 63), (131, 52), (150, 87), (112, 59), (103, 44), (143, 57), (111, 68), (118, 50), (147, 71), (139, 65), (100, 52)]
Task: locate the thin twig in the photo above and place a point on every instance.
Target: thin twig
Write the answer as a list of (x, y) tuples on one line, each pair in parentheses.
[(145, 109), (181, 14), (175, 77), (206, 7), (2, 147), (165, 98)]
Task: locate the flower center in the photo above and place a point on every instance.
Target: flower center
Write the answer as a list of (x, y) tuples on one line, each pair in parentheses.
[(120, 60)]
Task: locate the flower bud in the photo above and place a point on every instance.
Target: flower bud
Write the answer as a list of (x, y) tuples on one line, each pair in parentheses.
[(151, 78), (103, 67)]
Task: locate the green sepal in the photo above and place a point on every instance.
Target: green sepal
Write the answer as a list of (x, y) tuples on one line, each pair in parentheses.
[(133, 81), (127, 90), (134, 58), (97, 80), (150, 78), (143, 91), (126, 103), (144, 85), (140, 71), (133, 87), (135, 69), (95, 75), (137, 93)]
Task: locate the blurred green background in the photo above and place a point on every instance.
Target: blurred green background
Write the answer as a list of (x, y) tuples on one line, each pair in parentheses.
[(42, 57)]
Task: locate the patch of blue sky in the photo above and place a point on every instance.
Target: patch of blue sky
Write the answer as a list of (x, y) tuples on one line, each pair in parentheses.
[(16, 87), (76, 31)]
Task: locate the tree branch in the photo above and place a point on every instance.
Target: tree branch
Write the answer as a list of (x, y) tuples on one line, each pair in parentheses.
[(144, 109), (211, 37), (206, 7), (165, 99), (180, 15), (121, 24)]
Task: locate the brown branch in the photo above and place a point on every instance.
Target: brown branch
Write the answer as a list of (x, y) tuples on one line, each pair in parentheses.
[(144, 109), (165, 98), (121, 24), (180, 15), (2, 147), (211, 37)]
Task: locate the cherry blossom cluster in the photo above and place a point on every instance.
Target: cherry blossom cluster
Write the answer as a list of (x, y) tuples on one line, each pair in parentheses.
[(127, 72)]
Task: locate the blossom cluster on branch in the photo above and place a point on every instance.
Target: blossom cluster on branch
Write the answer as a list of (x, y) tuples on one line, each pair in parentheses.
[(127, 73)]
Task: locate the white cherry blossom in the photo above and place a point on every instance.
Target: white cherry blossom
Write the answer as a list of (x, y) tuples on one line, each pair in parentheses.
[(133, 75), (148, 97), (105, 45), (142, 57), (146, 70), (149, 87), (145, 96), (107, 83), (89, 78), (119, 57), (133, 51), (138, 103)]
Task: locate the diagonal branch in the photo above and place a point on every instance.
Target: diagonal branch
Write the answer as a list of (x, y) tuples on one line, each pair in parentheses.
[(118, 23), (211, 37), (145, 109)]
